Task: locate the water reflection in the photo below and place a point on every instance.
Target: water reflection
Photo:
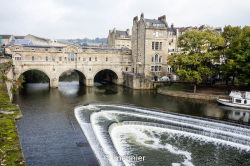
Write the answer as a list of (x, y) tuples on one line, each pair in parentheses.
[(237, 114)]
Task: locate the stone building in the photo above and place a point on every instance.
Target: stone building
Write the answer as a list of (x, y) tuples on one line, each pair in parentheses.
[(149, 47), (119, 39)]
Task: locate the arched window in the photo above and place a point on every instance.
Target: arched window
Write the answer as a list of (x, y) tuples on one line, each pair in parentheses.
[(72, 57), (156, 58)]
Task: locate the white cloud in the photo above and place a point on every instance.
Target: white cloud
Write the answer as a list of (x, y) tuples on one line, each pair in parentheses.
[(84, 18)]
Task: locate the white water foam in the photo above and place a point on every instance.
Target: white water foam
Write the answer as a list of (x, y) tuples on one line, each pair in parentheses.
[(141, 137), (102, 147), (184, 124), (90, 135)]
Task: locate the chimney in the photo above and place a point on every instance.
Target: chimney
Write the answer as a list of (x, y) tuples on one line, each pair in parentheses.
[(127, 30), (163, 19), (142, 15), (135, 18)]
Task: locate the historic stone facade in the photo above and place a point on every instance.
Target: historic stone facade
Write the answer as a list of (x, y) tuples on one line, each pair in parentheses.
[(54, 61), (149, 47), (137, 60), (119, 39)]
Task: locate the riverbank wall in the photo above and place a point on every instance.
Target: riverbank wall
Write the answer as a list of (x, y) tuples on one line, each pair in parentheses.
[(136, 81), (10, 149), (199, 96)]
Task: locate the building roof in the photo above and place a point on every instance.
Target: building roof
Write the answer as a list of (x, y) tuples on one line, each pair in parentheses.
[(19, 37), (21, 42), (121, 34), (155, 23), (5, 36)]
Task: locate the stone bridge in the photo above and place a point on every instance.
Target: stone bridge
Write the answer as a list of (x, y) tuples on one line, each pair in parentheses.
[(88, 62)]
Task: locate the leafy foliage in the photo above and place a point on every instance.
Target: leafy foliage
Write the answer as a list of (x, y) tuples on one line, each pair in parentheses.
[(200, 49), (237, 54)]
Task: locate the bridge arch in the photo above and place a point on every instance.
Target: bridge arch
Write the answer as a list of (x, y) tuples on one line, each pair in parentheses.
[(81, 75), (34, 75), (106, 76)]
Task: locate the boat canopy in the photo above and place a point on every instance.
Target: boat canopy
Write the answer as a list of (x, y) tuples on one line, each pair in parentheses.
[(247, 95), (235, 94)]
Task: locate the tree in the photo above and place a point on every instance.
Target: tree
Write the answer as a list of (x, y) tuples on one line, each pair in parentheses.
[(237, 54), (199, 50), (231, 36)]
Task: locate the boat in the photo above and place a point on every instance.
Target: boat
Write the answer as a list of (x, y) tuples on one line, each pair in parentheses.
[(237, 99)]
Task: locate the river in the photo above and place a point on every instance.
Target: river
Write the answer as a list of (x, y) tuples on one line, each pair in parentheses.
[(50, 134)]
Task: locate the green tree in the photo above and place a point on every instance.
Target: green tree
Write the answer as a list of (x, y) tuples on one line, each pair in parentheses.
[(237, 54), (231, 36), (199, 50)]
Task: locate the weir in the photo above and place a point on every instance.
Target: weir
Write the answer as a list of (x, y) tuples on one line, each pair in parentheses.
[(121, 130)]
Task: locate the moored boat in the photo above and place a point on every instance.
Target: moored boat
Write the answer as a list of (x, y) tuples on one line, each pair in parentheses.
[(237, 99)]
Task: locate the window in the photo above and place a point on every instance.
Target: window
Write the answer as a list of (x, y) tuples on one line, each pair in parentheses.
[(156, 45), (156, 58), (72, 57), (95, 58), (33, 58), (79, 58), (237, 100), (17, 58), (60, 58), (126, 68), (152, 68), (46, 58), (65, 58), (155, 68), (89, 58), (107, 59)]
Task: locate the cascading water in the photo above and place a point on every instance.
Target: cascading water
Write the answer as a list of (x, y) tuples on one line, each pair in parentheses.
[(127, 135)]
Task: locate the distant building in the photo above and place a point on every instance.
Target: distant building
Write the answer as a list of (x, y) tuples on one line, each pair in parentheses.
[(119, 39), (6, 39), (28, 40)]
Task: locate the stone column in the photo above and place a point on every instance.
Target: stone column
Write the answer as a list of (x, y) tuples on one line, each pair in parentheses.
[(54, 83), (119, 81), (90, 82)]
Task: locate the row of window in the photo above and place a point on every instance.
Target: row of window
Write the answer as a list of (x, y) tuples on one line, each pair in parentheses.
[(70, 58), (156, 45), (155, 68), (33, 49)]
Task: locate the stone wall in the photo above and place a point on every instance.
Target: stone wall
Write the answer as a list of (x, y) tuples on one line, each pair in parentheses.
[(136, 81)]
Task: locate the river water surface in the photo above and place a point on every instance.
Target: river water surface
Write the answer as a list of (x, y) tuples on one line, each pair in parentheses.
[(50, 134)]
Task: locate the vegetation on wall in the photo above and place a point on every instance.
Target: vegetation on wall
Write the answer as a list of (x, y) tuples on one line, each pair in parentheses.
[(10, 150)]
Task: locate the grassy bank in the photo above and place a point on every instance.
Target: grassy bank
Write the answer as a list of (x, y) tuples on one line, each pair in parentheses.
[(10, 151), (186, 91)]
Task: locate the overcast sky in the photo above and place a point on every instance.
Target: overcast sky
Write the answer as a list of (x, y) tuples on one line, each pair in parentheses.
[(59, 19)]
